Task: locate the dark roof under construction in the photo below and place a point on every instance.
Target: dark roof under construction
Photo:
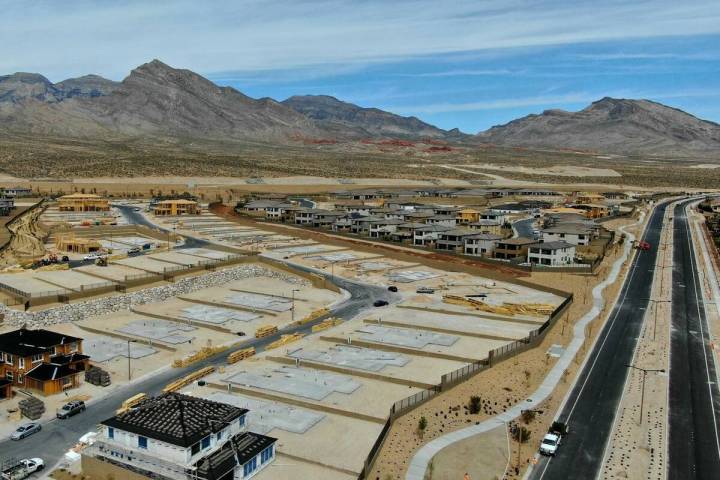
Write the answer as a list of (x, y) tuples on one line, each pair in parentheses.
[(175, 418)]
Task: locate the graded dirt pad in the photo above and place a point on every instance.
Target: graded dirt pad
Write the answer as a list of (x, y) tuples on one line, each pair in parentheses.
[(206, 253), (30, 285), (556, 170), (348, 356), (72, 280), (307, 434), (469, 324), (115, 272), (157, 330), (306, 249), (178, 258), (148, 264)]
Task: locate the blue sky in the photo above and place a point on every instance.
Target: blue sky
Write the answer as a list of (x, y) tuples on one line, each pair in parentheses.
[(466, 64)]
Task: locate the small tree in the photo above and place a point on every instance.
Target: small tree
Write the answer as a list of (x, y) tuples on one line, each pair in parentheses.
[(527, 416), (422, 424), (520, 434), (475, 404)]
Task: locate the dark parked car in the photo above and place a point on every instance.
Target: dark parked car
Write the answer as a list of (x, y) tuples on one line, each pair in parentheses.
[(70, 409), (65, 258), (25, 431), (380, 303), (392, 288)]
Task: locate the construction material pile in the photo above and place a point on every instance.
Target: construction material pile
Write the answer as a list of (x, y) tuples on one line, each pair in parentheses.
[(284, 340), (238, 355), (32, 407), (507, 309), (97, 376)]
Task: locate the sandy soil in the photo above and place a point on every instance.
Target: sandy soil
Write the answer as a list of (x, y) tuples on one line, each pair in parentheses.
[(480, 457), (559, 170)]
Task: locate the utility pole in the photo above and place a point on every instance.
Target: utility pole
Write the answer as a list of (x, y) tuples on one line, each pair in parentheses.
[(642, 394)]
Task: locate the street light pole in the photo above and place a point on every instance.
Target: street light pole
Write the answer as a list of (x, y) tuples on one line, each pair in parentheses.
[(655, 302), (292, 310), (128, 357), (642, 391)]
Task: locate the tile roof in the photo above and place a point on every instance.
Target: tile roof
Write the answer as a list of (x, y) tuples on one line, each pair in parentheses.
[(176, 418)]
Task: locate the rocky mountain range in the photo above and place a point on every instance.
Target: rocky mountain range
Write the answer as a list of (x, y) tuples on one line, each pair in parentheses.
[(158, 101), (613, 126)]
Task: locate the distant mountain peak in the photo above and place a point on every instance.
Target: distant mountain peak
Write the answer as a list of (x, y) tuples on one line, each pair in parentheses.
[(613, 125)]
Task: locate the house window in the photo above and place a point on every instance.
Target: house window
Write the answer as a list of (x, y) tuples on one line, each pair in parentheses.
[(53, 351), (37, 358), (21, 362), (111, 433), (205, 443), (9, 376), (250, 467), (73, 347), (20, 380), (8, 359), (241, 421), (266, 454), (142, 442), (219, 436), (195, 449)]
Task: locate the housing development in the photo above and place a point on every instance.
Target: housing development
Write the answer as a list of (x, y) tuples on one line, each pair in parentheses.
[(372, 240)]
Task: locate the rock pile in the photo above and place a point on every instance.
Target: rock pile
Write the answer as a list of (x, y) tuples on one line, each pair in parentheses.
[(79, 311)]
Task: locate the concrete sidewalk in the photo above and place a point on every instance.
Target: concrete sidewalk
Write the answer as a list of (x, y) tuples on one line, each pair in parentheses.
[(418, 464)]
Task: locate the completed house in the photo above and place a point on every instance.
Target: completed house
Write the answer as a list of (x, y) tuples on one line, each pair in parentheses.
[(551, 254), (41, 360), (428, 234), (575, 234), (176, 436), (453, 240), (481, 244), (513, 248)]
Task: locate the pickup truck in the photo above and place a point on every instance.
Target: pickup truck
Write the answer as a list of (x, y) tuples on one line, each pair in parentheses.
[(23, 469), (552, 440)]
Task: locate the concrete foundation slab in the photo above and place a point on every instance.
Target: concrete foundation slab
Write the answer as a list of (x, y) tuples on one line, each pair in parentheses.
[(266, 415), (102, 348), (73, 280), (215, 315), (205, 253), (301, 382), (148, 264), (352, 357), (178, 258), (260, 301), (335, 257), (159, 330), (405, 337), (408, 276)]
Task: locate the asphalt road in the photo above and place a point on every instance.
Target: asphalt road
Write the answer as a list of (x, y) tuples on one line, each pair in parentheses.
[(524, 228), (591, 407), (57, 436), (136, 218), (694, 444)]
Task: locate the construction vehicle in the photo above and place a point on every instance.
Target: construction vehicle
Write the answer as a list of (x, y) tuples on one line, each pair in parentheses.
[(101, 261), (22, 469)]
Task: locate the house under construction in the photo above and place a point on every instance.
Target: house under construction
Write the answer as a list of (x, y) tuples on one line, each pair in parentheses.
[(82, 202), (73, 244), (178, 206)]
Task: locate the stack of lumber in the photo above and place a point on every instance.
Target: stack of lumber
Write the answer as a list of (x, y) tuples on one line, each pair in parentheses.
[(265, 330), (325, 324), (238, 355), (284, 340), (188, 379)]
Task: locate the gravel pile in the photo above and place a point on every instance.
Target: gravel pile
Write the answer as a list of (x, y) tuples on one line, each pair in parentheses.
[(79, 311)]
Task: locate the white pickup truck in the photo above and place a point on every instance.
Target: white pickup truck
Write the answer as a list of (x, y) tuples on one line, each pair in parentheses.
[(552, 440), (23, 469)]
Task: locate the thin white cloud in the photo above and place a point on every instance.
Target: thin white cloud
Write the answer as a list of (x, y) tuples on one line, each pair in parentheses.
[(461, 73), (548, 101), (109, 38)]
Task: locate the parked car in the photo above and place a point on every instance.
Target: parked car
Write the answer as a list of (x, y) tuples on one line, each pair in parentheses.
[(134, 251), (70, 409), (25, 430), (380, 303), (65, 259), (392, 288), (92, 256), (240, 334)]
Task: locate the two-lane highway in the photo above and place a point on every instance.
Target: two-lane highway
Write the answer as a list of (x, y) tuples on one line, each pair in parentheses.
[(694, 443), (592, 403)]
